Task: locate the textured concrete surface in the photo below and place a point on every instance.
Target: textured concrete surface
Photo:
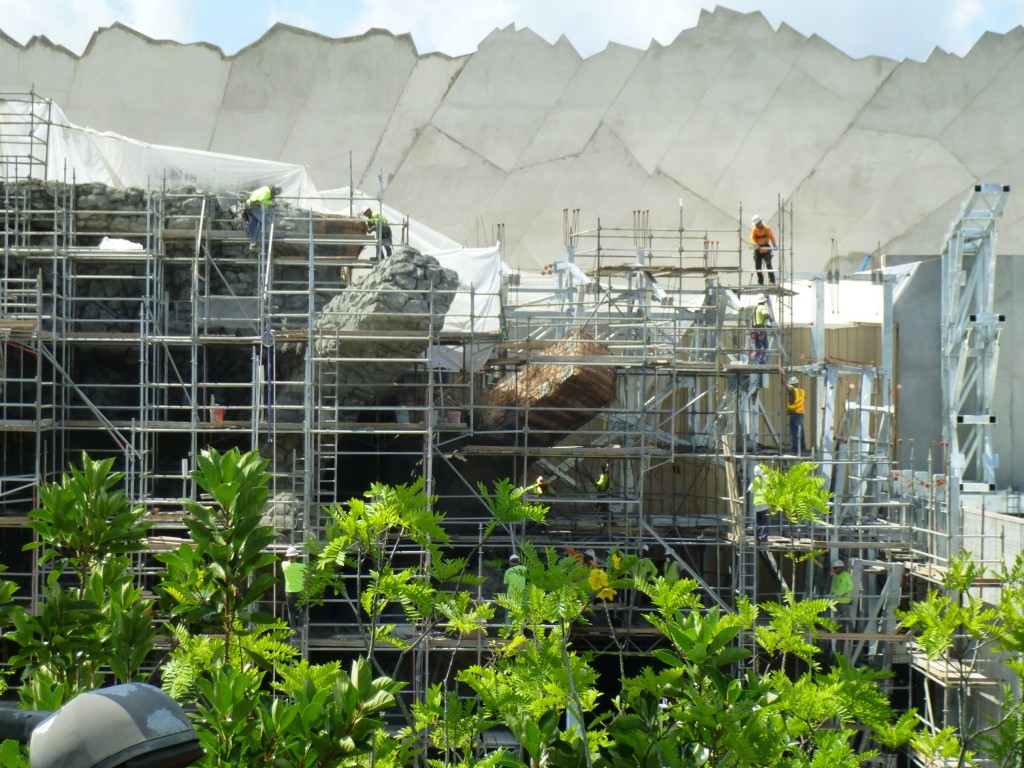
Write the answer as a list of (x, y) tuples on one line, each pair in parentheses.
[(731, 117)]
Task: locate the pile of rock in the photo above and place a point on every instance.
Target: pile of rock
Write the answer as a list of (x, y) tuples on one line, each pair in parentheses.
[(369, 332)]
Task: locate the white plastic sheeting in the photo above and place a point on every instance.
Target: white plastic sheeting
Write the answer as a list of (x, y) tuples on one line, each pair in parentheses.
[(83, 155), (476, 307)]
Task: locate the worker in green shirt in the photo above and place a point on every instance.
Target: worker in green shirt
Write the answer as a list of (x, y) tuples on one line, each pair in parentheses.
[(604, 486), (378, 225), (515, 584), (294, 581), (842, 593), (259, 211)]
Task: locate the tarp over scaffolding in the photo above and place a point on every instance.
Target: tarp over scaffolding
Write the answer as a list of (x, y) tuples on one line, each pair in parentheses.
[(83, 155), (36, 138), (39, 129)]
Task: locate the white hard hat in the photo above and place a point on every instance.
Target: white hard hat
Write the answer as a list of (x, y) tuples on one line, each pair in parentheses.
[(757, 218), (794, 380), (838, 564), (513, 558), (759, 471), (590, 553), (761, 298), (292, 552)]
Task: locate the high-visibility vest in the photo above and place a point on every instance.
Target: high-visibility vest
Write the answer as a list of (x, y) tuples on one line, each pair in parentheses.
[(294, 574), (261, 197), (762, 236), (760, 316), (797, 404), (842, 587)]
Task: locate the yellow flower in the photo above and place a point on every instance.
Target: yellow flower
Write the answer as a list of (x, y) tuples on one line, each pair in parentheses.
[(599, 583), (616, 561)]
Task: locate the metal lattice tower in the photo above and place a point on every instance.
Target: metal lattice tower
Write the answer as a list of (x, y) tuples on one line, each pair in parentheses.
[(970, 344)]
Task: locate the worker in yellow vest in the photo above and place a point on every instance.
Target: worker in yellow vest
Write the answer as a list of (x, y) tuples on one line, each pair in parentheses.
[(604, 487), (759, 331), (259, 212), (795, 397)]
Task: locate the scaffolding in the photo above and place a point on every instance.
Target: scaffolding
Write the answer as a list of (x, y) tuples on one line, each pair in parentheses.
[(144, 329)]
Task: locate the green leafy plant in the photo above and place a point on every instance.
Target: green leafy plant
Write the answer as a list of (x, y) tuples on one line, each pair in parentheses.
[(798, 493), (257, 702), (93, 621), (955, 625), (216, 580)]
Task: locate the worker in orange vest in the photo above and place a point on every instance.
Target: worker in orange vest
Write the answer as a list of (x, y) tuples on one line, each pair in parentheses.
[(763, 240)]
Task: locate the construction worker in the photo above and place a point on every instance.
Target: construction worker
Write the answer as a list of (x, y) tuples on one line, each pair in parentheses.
[(515, 584), (377, 221), (603, 485), (760, 510), (763, 240), (542, 487), (841, 592), (590, 559), (759, 332), (259, 212), (795, 397), (294, 582)]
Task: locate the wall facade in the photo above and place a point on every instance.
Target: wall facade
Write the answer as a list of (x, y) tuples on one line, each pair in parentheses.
[(728, 119)]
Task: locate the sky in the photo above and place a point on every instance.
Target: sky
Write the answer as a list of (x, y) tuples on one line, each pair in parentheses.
[(897, 29)]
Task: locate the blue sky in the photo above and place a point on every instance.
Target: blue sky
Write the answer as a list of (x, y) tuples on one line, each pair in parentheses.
[(897, 29)]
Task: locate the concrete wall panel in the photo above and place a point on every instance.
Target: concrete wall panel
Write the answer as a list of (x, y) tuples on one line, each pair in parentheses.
[(657, 99), (350, 98), (496, 110), (424, 90), (49, 68), (268, 87), (517, 201), (996, 106), (860, 187), (712, 139), (458, 182), (583, 104), (161, 92)]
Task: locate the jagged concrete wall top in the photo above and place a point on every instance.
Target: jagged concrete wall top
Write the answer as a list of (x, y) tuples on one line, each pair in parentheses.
[(730, 117)]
